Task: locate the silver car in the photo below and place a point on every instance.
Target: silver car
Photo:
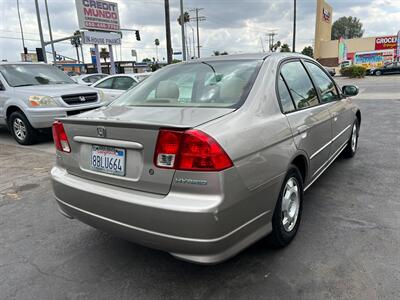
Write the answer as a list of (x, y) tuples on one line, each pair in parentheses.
[(32, 95), (204, 158)]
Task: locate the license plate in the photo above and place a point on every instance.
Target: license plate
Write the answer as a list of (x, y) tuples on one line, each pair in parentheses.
[(108, 160)]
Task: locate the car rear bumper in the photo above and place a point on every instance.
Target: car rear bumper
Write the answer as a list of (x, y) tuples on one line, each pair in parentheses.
[(191, 233)]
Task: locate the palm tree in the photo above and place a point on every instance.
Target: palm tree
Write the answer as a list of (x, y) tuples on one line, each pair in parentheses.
[(157, 43), (104, 54)]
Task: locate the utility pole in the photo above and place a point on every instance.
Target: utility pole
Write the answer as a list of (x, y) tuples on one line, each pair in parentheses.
[(198, 19), (271, 39), (22, 32), (41, 31), (168, 31), (183, 32), (50, 32), (262, 44), (294, 26)]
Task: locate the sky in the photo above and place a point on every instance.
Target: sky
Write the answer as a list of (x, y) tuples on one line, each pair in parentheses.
[(235, 26)]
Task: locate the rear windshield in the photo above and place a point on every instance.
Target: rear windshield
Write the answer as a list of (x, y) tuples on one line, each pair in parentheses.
[(200, 84), (29, 74)]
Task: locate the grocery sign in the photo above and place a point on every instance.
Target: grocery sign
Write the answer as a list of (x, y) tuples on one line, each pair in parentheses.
[(98, 15), (326, 15), (386, 42)]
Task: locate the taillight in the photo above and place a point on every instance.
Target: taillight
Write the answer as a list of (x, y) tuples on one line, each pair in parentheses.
[(60, 137), (190, 150)]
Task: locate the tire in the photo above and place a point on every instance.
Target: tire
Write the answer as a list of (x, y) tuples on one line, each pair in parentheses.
[(352, 144), (286, 222), (21, 129), (378, 73)]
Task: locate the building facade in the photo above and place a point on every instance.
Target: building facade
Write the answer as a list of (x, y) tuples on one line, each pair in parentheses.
[(327, 51)]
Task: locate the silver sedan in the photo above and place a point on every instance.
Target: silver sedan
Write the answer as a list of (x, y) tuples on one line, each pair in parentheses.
[(204, 158)]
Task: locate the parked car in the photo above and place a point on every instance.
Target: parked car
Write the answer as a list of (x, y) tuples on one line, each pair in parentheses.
[(115, 85), (330, 70), (89, 79), (392, 68), (205, 174), (32, 95)]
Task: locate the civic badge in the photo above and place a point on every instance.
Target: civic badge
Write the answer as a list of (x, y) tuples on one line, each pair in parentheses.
[(101, 132)]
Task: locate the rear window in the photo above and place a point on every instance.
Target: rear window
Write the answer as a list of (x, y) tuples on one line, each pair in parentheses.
[(200, 84)]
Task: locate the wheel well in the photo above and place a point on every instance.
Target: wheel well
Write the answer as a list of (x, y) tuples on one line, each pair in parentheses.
[(12, 109), (301, 163), (358, 115)]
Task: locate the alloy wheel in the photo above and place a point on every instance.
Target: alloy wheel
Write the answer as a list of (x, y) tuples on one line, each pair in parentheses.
[(354, 138), (19, 129)]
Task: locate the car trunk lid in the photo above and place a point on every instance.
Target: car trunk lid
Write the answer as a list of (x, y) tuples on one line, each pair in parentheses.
[(130, 132)]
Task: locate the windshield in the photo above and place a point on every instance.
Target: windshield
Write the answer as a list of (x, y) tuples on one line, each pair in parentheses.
[(30, 74), (200, 84)]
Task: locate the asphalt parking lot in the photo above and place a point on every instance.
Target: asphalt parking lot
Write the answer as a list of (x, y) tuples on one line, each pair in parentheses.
[(347, 247)]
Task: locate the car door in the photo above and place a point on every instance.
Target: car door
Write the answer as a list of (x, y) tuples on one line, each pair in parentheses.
[(106, 86), (342, 116), (123, 83), (311, 121)]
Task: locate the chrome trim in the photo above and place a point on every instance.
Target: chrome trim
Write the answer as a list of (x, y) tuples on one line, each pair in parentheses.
[(163, 234), (107, 142), (320, 150), (327, 163), (343, 131), (330, 142)]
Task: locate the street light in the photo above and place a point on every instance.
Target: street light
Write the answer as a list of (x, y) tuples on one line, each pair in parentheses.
[(294, 26), (22, 33), (183, 32)]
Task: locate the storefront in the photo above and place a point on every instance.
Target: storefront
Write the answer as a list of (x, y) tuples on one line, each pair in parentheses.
[(375, 50)]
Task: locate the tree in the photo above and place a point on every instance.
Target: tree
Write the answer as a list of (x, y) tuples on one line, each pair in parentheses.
[(309, 51), (146, 60), (285, 48), (186, 18), (347, 27), (157, 43), (104, 54)]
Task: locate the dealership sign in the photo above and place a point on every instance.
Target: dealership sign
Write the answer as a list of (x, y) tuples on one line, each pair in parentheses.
[(98, 15), (101, 38), (386, 42)]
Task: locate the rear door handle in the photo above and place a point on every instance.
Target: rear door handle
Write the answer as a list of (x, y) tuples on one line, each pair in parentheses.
[(335, 116)]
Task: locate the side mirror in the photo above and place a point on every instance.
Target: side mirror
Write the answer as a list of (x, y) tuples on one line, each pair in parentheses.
[(350, 90), (2, 88)]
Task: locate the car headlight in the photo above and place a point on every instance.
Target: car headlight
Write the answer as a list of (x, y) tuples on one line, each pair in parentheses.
[(42, 101)]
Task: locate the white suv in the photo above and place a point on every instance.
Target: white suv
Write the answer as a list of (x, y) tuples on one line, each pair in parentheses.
[(32, 95)]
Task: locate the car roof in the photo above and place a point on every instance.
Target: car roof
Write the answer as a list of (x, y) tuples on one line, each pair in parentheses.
[(250, 56), (21, 63)]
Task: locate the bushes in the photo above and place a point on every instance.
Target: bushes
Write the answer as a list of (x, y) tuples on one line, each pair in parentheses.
[(354, 72)]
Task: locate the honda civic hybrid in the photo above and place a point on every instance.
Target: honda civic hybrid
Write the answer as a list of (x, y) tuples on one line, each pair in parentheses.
[(206, 157)]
